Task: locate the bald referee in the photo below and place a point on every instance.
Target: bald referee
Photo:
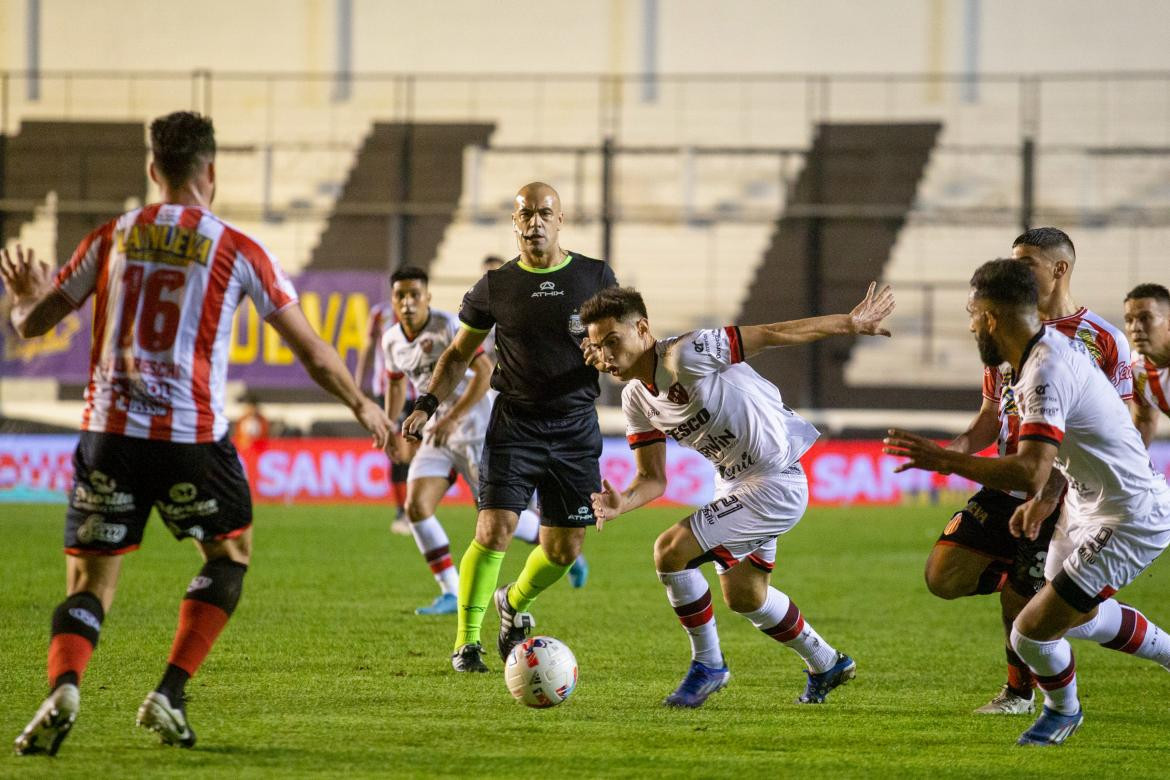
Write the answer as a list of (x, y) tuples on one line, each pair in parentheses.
[(543, 433)]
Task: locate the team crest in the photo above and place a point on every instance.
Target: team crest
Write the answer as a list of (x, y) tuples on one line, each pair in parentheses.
[(677, 394), (427, 344), (575, 325)]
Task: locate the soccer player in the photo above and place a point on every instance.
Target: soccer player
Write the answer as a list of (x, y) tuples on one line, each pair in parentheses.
[(454, 435), (543, 434), (1147, 323), (696, 389), (976, 554), (166, 279), (381, 319), (1116, 518)]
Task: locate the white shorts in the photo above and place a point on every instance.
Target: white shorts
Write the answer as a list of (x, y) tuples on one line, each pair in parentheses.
[(1101, 555), (747, 514), (461, 458)]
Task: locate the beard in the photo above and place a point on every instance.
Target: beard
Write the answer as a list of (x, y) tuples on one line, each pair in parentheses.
[(988, 352)]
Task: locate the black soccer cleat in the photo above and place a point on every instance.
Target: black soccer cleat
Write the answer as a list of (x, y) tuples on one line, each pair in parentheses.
[(469, 658), (168, 721), (49, 727), (514, 626)]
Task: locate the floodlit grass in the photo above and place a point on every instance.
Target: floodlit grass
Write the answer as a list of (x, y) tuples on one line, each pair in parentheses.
[(325, 670)]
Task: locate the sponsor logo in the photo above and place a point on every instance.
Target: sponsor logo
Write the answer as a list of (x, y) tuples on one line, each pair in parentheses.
[(547, 290), (87, 617), (101, 483), (96, 529), (700, 347), (684, 429), (89, 500), (182, 492), (199, 583), (196, 532), (1041, 389), (583, 514), (190, 509)]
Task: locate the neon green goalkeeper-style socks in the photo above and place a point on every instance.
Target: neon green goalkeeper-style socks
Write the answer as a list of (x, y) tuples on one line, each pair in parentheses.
[(539, 575), (478, 572)]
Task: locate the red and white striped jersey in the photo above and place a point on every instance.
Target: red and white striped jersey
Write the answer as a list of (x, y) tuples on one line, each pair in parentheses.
[(382, 318), (1151, 384), (166, 281)]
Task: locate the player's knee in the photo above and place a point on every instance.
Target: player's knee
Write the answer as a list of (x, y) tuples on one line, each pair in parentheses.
[(416, 510), (668, 556), (945, 584)]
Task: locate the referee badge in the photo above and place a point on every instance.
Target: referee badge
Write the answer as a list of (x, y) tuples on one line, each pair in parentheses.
[(575, 325)]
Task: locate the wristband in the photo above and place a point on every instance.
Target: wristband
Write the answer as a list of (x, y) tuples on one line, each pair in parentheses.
[(427, 404)]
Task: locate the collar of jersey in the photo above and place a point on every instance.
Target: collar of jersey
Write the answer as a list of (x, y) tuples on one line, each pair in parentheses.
[(653, 386), (410, 339), (549, 270), (1028, 349)]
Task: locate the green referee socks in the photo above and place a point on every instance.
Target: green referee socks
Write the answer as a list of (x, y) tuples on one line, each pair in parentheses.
[(538, 576), (478, 572)]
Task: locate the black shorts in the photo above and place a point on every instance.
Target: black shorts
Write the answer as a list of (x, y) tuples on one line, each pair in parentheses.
[(200, 491), (982, 526), (557, 458)]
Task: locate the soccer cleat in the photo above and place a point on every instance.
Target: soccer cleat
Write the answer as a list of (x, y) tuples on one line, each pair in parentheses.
[(701, 681), (579, 572), (514, 626), (400, 526), (820, 683), (1008, 703), (444, 604), (1051, 728), (469, 658), (169, 722), (49, 727)]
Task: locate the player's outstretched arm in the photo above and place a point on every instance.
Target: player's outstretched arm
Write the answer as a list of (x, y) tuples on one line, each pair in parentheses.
[(1145, 419), (36, 306), (865, 320), (649, 483), (981, 433), (327, 370), (450, 368)]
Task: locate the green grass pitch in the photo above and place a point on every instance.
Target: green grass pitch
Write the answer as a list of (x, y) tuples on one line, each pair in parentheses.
[(324, 670)]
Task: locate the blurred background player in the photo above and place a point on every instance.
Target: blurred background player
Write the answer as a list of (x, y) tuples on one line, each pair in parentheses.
[(453, 437), (696, 389), (543, 435), (1115, 522), (168, 278), (380, 320), (528, 524), (976, 554), (1147, 323), (252, 427)]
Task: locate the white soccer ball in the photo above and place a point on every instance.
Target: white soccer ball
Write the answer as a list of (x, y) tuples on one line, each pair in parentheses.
[(541, 671)]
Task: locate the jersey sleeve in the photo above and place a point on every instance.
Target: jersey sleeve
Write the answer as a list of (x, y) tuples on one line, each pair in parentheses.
[(707, 351), (392, 371), (1047, 392), (78, 278), (264, 281), (992, 383), (639, 431), (475, 312)]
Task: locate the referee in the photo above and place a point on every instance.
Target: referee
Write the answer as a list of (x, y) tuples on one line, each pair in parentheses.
[(543, 433)]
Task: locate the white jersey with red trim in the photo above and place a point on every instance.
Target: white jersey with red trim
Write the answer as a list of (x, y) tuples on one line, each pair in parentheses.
[(166, 281), (1065, 400), (415, 358), (1151, 384), (708, 400), (381, 319)]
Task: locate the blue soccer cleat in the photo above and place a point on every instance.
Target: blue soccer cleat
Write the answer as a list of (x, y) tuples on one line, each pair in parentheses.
[(1051, 728), (579, 572), (444, 604), (701, 681), (820, 683)]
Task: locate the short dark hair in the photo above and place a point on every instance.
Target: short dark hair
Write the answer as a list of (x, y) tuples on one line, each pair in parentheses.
[(1006, 282), (179, 142), (616, 302), (1150, 290), (1046, 238), (408, 272), (494, 259)]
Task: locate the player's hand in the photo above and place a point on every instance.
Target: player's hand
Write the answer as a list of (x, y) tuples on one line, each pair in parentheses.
[(398, 449), (24, 275), (593, 356), (606, 505), (413, 425), (443, 429), (867, 316), (374, 420), (921, 451), (1029, 517)]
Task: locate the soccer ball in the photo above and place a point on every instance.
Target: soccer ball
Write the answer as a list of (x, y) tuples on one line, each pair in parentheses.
[(541, 672)]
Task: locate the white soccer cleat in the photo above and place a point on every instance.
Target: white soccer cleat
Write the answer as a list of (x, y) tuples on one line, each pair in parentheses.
[(1008, 703), (49, 727), (169, 722)]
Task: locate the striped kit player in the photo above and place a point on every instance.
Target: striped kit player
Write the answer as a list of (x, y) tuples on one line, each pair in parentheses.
[(1147, 323), (166, 280), (697, 390)]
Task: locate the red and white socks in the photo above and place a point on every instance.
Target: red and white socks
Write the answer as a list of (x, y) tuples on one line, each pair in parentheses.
[(1120, 627), (690, 596), (780, 618), (436, 550), (1055, 669)]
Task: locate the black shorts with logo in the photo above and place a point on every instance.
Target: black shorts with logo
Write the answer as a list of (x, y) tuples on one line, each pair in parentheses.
[(556, 457), (982, 526), (200, 491)]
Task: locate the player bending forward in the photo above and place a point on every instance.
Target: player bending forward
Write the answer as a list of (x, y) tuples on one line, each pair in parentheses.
[(696, 389), (1116, 518)]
